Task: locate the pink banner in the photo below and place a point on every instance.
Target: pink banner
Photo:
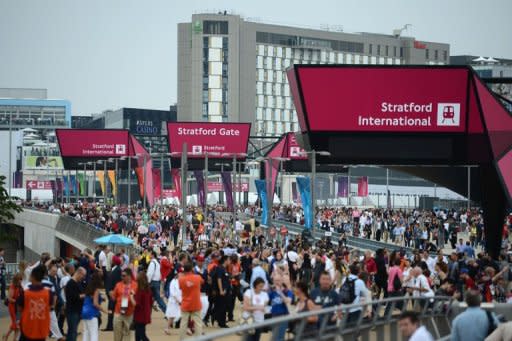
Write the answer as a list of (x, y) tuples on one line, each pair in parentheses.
[(362, 186), (144, 161), (219, 140), (157, 183), (93, 143), (176, 179)]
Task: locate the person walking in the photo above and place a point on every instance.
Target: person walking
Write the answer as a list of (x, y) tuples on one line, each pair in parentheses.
[(280, 299), (190, 286), (91, 309), (395, 280), (3, 274), (114, 277), (50, 281), (35, 303), (173, 310), (123, 295), (13, 294), (474, 323), (154, 279), (143, 304), (255, 301), (223, 288), (74, 298), (411, 328)]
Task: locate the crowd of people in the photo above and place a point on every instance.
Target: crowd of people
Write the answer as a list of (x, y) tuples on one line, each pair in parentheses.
[(204, 268)]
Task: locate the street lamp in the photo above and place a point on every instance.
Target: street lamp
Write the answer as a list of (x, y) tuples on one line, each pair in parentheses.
[(313, 154)]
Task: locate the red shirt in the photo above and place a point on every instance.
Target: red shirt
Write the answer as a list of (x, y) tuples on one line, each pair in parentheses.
[(144, 302), (165, 267), (371, 266)]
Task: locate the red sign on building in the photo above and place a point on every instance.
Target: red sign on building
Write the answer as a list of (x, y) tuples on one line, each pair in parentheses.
[(218, 140), (33, 184)]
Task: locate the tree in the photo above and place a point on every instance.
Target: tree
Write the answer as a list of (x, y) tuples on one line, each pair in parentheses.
[(8, 208)]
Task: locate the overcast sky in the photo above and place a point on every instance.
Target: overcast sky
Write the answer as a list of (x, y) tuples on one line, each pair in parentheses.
[(106, 54)]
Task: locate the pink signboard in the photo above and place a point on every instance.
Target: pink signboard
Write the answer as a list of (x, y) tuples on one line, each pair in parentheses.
[(295, 152), (380, 99), (33, 184), (218, 140), (217, 187), (93, 143)]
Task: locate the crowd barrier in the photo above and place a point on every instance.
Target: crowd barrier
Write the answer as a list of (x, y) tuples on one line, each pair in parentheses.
[(435, 313)]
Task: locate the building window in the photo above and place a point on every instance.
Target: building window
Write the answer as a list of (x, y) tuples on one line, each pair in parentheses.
[(427, 54), (215, 27), (401, 52), (445, 55), (436, 55), (370, 49), (378, 50), (387, 50), (394, 51)]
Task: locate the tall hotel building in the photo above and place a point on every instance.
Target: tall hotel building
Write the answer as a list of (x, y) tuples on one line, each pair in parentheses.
[(231, 69)]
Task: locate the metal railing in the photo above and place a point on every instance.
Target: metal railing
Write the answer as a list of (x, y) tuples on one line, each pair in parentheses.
[(435, 313)]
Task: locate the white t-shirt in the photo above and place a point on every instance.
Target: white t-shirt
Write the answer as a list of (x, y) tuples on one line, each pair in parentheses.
[(257, 299), (102, 259), (63, 281), (291, 256), (421, 334), (422, 282)]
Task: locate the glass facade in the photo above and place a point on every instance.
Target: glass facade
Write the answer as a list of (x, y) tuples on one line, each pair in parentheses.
[(275, 112), (34, 113), (215, 78)]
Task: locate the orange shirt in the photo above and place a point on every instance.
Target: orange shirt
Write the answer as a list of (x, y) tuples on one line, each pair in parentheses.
[(123, 290), (190, 285)]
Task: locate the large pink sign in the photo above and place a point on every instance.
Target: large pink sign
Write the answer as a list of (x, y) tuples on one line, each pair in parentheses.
[(380, 99), (93, 143), (218, 140), (34, 184)]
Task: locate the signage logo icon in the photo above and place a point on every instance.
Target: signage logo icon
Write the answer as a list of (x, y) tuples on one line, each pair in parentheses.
[(120, 149), (448, 114), (197, 149), (295, 151)]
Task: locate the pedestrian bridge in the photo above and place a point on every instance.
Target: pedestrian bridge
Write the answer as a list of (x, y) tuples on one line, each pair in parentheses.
[(53, 233)]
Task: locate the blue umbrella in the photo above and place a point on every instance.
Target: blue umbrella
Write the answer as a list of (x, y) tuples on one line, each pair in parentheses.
[(114, 239)]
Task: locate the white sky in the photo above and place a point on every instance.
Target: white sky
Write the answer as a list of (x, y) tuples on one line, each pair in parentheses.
[(106, 54)]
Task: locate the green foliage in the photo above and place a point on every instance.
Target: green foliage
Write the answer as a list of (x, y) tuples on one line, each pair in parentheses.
[(8, 206)]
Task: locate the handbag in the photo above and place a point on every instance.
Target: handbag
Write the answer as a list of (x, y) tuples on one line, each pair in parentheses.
[(246, 318)]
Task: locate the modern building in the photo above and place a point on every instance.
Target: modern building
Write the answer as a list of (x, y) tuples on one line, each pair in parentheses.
[(231, 69), (489, 67), (28, 120), (148, 125)]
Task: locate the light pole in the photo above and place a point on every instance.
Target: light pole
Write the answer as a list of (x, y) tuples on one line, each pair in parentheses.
[(221, 171), (281, 161), (184, 168), (313, 154), (235, 156)]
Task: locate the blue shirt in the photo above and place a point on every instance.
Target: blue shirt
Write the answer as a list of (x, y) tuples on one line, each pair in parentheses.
[(89, 311), (258, 272), (471, 325), (277, 303)]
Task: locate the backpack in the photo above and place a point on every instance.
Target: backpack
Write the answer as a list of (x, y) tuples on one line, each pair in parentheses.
[(492, 325), (348, 291), (397, 284)]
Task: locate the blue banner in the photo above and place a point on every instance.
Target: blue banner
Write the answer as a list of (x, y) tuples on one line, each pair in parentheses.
[(305, 195), (66, 185), (74, 185), (261, 187)]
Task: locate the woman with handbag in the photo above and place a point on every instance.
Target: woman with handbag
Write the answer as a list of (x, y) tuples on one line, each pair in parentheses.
[(255, 301)]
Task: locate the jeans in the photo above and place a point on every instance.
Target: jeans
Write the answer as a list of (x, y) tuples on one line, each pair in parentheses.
[(353, 317), (73, 321), (220, 309), (280, 330), (255, 336), (140, 332), (155, 289), (2, 285), (398, 305)]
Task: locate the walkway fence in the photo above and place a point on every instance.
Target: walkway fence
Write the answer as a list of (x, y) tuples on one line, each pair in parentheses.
[(435, 313)]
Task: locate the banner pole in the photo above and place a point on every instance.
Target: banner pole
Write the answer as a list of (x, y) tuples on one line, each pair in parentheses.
[(144, 183), (94, 183), (105, 177), (313, 178), (184, 167), (115, 182), (206, 184), (129, 173), (161, 180)]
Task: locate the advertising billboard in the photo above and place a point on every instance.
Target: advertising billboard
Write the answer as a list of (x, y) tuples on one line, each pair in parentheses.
[(382, 99), (218, 140), (93, 143), (43, 162)]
